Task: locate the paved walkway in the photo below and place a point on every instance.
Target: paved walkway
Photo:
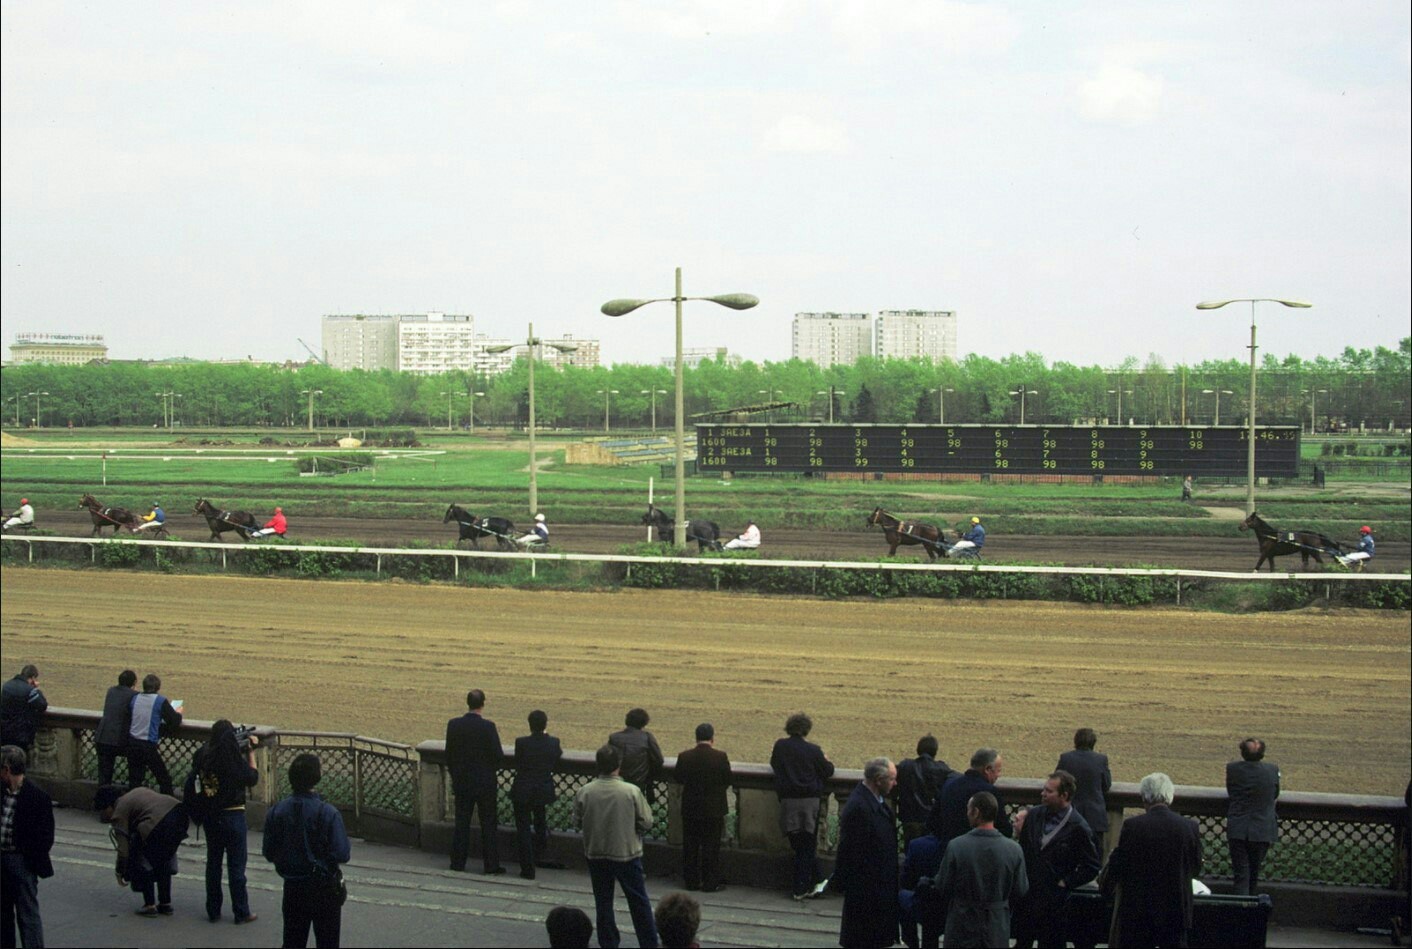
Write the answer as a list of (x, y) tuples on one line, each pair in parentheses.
[(402, 897)]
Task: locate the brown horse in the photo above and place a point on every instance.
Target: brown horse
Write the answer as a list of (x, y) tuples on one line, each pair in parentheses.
[(104, 516), (242, 522), (1276, 543), (907, 533)]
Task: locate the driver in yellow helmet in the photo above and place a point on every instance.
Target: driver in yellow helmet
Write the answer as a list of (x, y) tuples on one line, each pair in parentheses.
[(970, 543)]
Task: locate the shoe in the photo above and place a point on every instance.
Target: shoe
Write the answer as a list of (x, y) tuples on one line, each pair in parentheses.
[(165, 909), (247, 919), (527, 873), (801, 897), (818, 890), (494, 871), (550, 865), (150, 912)]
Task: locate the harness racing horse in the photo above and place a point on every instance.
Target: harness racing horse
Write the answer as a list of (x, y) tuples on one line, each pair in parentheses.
[(1275, 543), (474, 528), (907, 533), (242, 522), (104, 516), (704, 533)]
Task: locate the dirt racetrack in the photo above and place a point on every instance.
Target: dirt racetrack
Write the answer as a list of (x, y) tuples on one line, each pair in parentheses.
[(1237, 552), (1166, 690)]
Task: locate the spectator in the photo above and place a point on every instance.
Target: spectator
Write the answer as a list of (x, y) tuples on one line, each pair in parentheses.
[(1090, 771), (800, 768), (865, 869), (949, 818), (26, 837), (705, 777), (642, 756), (223, 772), (980, 874), (21, 705), (111, 736), (152, 716), (1252, 784), (1157, 857), (532, 792), (305, 840), (1059, 856), (568, 927), (678, 917), (150, 828), (923, 859), (473, 753), (919, 781), (614, 815)]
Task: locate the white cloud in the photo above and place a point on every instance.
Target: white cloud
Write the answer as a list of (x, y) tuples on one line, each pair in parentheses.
[(1122, 95), (803, 133)]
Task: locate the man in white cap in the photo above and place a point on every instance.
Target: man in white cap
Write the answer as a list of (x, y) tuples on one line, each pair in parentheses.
[(538, 535), (970, 543), (24, 517)]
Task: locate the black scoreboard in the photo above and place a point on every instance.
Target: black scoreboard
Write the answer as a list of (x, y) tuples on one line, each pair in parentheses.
[(999, 449)]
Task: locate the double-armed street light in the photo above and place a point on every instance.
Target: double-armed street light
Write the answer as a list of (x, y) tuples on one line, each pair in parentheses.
[(1218, 393), (1022, 392), (471, 410), (450, 395), (1250, 437), (735, 301), (940, 393), (769, 395), (311, 393), (38, 419), (532, 343), (168, 407), (833, 392), (1313, 416), (653, 393), (607, 406), (1120, 392)]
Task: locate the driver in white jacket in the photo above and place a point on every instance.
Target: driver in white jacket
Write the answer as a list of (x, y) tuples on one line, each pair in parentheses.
[(748, 540)]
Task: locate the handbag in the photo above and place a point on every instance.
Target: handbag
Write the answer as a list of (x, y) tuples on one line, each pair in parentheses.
[(339, 886)]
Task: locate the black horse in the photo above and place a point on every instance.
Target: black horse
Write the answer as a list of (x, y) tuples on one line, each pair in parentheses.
[(474, 528), (706, 534), (114, 517), (1275, 543), (907, 533), (242, 522)]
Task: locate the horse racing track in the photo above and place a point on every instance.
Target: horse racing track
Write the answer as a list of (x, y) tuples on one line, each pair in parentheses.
[(1166, 690)]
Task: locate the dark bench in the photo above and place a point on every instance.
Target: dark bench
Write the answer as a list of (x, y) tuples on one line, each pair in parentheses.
[(1217, 921)]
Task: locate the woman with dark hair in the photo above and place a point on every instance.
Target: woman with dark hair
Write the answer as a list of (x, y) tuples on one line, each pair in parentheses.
[(222, 773), (800, 768)]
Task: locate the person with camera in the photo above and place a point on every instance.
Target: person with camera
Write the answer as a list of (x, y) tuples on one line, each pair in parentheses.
[(221, 771), (305, 840)]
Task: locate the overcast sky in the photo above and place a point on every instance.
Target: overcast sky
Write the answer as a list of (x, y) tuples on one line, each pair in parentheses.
[(208, 179)]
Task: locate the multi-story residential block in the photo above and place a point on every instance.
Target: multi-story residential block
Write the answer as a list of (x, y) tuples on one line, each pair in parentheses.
[(695, 356), (360, 341), (61, 349), (436, 342), (907, 334), (829, 339)]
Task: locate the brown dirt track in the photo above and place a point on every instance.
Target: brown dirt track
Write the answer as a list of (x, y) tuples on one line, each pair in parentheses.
[(1165, 689)]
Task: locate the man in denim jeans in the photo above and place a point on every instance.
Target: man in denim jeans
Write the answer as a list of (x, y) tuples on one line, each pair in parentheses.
[(614, 815)]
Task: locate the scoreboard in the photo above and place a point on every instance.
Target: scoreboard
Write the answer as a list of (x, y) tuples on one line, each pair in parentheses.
[(999, 449)]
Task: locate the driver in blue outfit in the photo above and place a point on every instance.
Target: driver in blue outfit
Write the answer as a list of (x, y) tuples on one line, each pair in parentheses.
[(970, 543)]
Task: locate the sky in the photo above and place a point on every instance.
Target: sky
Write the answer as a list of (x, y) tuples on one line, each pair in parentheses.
[(208, 180)]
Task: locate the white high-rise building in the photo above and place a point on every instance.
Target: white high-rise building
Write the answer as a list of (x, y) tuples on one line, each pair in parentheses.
[(436, 342), (908, 334), (829, 339), (360, 342)]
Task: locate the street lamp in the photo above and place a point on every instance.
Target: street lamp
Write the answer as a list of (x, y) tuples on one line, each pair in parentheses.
[(833, 393), (38, 419), (1313, 417), (1022, 392), (654, 393), (1250, 448), (769, 395), (168, 407), (311, 393), (450, 395), (941, 403), (531, 343), (735, 301), (1119, 392), (471, 410), (607, 401), (1218, 393)]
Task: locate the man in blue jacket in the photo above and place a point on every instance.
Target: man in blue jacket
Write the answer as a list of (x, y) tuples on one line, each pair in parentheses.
[(306, 841), (473, 753)]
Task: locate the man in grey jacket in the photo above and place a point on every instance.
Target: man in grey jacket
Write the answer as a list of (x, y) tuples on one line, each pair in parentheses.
[(981, 872), (614, 815), (1252, 784)]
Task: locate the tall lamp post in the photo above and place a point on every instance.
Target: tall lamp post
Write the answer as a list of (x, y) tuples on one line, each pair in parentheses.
[(833, 393), (769, 395), (1313, 416), (311, 393), (38, 419), (1119, 393), (168, 407), (450, 396), (607, 404), (1218, 393), (654, 393), (471, 410), (941, 403), (532, 342), (735, 301), (1022, 392), (1250, 436)]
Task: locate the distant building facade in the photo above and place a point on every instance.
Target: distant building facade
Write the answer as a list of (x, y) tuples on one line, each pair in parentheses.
[(58, 349), (435, 343), (909, 334), (360, 342), (430, 343), (695, 356), (832, 339)]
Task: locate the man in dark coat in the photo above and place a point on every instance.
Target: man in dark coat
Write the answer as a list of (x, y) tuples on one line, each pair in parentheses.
[(473, 753), (1059, 856), (919, 781), (21, 706), (1094, 780), (28, 832), (865, 868), (642, 756), (922, 859), (532, 792), (948, 818), (1252, 784), (980, 874), (705, 776), (1157, 857), (111, 736)]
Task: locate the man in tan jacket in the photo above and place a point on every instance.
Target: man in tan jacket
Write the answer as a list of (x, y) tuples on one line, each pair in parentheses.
[(614, 815)]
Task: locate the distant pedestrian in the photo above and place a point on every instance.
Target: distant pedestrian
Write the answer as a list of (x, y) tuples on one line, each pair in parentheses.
[(1186, 489), (223, 771), (112, 734), (532, 792), (1252, 784), (26, 837), (152, 717), (1094, 780), (149, 828), (305, 840), (980, 874), (865, 870), (568, 927), (800, 769), (641, 755), (21, 707), (473, 754), (614, 815), (705, 776)]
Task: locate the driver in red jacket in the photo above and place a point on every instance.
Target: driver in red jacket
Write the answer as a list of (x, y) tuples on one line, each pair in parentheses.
[(275, 525)]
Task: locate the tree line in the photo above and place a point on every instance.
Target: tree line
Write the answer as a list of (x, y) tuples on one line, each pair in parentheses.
[(1359, 387)]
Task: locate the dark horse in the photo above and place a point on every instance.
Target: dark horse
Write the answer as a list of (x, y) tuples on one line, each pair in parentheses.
[(1275, 543), (907, 533), (242, 522), (705, 533), (474, 528), (104, 516)]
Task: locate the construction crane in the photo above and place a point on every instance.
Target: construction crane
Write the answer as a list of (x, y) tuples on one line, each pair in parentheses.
[(316, 356)]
